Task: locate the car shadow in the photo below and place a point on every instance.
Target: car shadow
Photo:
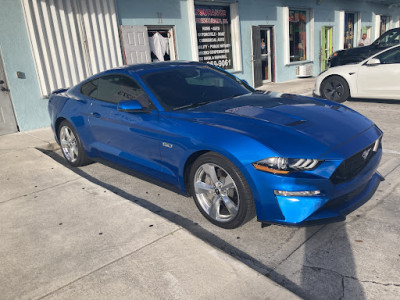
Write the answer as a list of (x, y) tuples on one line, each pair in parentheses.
[(320, 268), (385, 101), (194, 228), (328, 269), (325, 265)]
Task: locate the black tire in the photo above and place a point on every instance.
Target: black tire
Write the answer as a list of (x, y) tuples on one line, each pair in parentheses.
[(335, 88), (71, 145), (220, 191)]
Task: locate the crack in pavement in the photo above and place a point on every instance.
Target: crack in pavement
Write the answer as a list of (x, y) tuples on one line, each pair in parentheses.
[(342, 297), (291, 253), (350, 277)]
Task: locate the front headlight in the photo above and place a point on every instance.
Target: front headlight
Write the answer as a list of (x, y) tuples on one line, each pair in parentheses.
[(282, 165)]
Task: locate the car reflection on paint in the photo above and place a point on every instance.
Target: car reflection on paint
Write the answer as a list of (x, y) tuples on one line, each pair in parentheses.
[(238, 152)]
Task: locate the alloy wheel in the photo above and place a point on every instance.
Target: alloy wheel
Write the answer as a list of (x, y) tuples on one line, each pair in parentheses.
[(69, 144), (216, 192)]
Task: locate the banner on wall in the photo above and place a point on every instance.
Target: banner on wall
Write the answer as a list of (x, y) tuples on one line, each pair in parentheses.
[(213, 26)]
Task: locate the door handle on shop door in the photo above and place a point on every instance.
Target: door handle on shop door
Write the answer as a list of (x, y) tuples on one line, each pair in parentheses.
[(95, 114)]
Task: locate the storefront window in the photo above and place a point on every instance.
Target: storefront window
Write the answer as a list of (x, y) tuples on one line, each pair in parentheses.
[(213, 26), (297, 35), (349, 19)]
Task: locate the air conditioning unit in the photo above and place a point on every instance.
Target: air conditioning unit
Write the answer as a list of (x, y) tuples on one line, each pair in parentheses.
[(304, 70)]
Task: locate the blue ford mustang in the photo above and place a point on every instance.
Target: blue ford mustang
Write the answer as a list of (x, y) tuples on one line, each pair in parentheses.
[(237, 151)]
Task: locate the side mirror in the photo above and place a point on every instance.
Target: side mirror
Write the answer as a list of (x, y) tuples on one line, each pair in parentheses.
[(130, 106), (373, 62)]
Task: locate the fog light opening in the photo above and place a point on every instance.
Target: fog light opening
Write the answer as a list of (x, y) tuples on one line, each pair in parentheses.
[(298, 193)]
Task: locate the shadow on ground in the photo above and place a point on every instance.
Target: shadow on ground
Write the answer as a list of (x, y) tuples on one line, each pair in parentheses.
[(316, 269)]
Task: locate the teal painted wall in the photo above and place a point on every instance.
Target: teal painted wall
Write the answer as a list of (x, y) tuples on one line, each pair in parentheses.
[(173, 12), (30, 108), (269, 13)]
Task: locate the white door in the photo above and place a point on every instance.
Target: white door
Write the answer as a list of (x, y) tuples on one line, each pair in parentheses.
[(381, 80), (135, 44), (8, 123)]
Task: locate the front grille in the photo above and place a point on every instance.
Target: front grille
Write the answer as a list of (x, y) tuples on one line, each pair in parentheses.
[(343, 200), (353, 165)]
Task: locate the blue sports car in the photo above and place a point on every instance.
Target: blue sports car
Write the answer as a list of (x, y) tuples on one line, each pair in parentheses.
[(237, 151)]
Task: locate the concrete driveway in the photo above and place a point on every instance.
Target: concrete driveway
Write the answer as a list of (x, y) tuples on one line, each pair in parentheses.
[(355, 259)]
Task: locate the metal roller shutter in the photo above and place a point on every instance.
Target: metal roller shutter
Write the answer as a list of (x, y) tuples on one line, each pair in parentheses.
[(71, 40)]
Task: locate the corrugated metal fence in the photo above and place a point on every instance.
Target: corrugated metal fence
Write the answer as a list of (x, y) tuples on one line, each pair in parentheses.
[(71, 40)]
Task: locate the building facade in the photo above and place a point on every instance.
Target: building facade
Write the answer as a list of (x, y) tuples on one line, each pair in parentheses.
[(50, 44)]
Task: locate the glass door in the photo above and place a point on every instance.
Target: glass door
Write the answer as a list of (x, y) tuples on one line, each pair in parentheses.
[(265, 36), (262, 54), (349, 23)]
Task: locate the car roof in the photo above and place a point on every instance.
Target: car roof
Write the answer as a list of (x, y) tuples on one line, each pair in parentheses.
[(143, 68), (159, 66), (390, 30), (384, 50)]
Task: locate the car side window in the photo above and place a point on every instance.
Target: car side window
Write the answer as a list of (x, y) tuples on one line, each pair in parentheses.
[(390, 57), (116, 88), (389, 39), (90, 88)]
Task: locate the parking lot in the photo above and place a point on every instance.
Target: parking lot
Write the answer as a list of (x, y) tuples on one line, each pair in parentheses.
[(354, 259)]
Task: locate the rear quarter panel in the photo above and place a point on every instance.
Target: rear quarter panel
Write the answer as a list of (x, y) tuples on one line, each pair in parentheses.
[(67, 107)]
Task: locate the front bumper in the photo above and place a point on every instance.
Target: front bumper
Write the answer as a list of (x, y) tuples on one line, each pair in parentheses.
[(335, 200)]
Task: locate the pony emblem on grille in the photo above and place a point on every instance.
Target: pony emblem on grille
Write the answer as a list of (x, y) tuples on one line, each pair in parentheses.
[(365, 154)]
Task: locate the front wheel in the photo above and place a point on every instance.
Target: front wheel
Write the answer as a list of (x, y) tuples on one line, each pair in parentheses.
[(335, 88), (220, 191), (71, 145)]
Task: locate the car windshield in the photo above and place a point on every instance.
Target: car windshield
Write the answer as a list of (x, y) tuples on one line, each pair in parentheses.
[(192, 86), (389, 38)]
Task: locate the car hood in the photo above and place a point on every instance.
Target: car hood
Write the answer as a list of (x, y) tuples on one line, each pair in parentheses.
[(288, 124), (358, 50)]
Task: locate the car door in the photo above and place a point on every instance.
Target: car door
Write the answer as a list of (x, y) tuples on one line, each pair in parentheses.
[(128, 138), (381, 80)]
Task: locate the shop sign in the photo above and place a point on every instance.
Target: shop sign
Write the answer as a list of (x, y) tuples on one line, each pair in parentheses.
[(213, 25)]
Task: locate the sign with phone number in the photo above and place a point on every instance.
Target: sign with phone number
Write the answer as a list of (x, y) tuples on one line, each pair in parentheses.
[(214, 35)]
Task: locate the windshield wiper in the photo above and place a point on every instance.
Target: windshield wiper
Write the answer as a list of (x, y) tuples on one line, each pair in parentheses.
[(192, 105)]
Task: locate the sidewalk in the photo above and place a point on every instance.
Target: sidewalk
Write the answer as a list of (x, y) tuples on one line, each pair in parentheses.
[(63, 237), (301, 86)]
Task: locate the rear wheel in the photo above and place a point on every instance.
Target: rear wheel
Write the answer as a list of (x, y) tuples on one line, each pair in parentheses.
[(220, 191), (335, 88), (71, 145)]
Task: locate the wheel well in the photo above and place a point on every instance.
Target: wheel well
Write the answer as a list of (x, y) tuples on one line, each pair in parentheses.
[(57, 127), (188, 165), (334, 75)]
